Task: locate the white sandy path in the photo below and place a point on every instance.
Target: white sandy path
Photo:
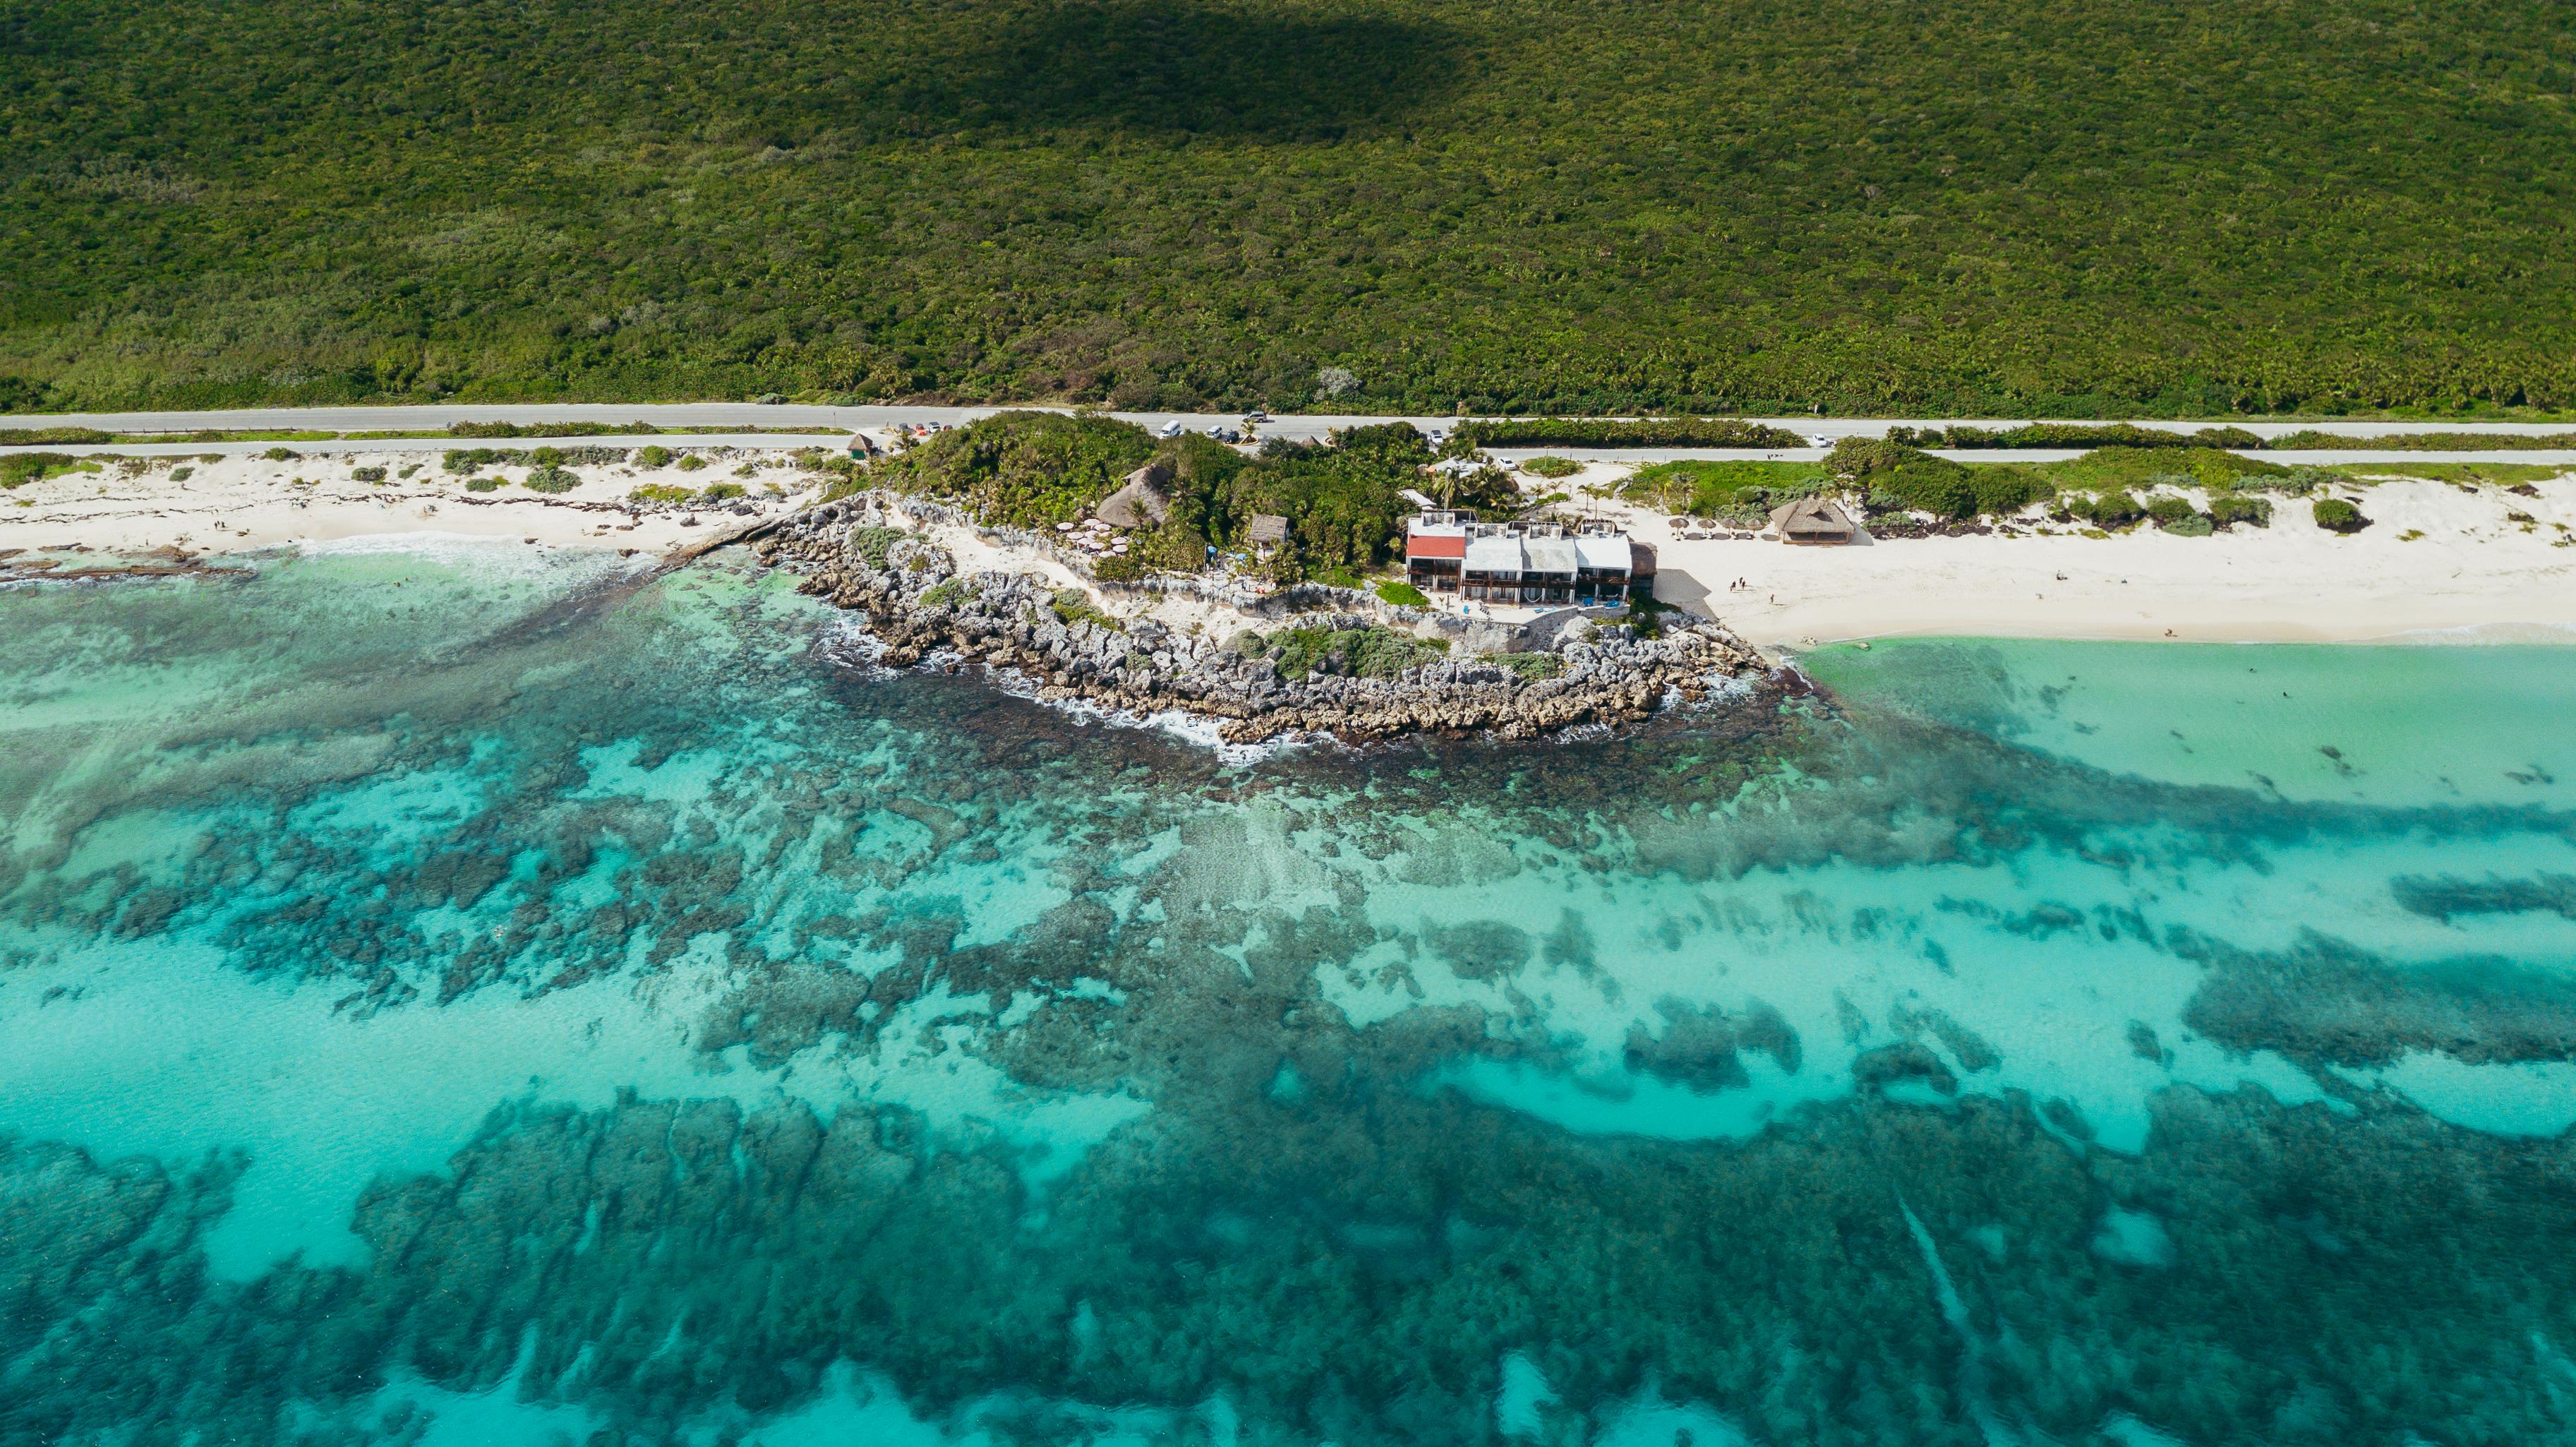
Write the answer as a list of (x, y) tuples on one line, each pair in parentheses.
[(2471, 570)]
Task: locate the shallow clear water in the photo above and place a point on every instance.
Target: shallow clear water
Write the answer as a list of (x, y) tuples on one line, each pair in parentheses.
[(486, 996)]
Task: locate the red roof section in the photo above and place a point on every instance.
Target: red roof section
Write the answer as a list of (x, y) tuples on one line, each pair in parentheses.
[(1417, 545)]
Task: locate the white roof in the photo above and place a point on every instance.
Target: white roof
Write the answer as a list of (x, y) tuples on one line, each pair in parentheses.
[(1551, 555), (1596, 551), (1494, 555)]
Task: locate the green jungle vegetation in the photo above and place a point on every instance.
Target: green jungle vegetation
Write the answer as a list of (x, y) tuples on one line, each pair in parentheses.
[(1035, 469), (2002, 208)]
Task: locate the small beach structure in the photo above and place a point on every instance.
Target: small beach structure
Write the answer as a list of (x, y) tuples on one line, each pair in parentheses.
[(1268, 535), (1814, 520), (1140, 502)]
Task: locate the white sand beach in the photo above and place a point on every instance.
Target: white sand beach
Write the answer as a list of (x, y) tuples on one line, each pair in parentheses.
[(243, 504), (2436, 558), (2439, 558)]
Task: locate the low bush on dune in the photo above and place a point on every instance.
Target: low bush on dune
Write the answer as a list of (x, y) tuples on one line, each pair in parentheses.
[(25, 467), (2338, 516), (551, 480), (1741, 493), (2115, 509), (2177, 516), (2229, 511)]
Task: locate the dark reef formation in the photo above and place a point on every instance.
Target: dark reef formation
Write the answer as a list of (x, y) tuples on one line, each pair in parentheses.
[(919, 604), (1296, 1223)]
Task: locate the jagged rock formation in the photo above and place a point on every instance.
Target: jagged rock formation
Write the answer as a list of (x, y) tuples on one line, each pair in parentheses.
[(920, 604)]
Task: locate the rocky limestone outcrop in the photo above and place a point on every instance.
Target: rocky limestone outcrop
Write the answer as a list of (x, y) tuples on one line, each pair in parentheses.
[(919, 604)]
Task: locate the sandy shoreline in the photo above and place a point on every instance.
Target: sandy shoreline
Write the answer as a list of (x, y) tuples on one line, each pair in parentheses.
[(2472, 574), (244, 504), (2469, 573)]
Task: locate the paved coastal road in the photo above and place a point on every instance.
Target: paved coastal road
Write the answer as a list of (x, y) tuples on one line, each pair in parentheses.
[(747, 414)]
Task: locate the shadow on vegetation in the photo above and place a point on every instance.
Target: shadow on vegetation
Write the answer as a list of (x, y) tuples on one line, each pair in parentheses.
[(1168, 68)]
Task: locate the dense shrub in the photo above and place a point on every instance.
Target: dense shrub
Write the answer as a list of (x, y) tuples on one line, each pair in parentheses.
[(2227, 511), (368, 474), (1023, 469), (1355, 652), (2002, 490), (23, 467), (2177, 516), (692, 462), (540, 429), (2429, 441), (1403, 595), (1544, 465), (653, 456), (551, 480), (661, 494), (1072, 606), (2115, 509), (1530, 666), (875, 544), (482, 484), (52, 436), (2077, 434), (283, 454), (1739, 493), (2338, 516), (717, 492)]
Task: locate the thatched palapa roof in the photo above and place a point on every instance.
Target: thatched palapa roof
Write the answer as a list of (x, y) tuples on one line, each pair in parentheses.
[(1140, 503), (1815, 520)]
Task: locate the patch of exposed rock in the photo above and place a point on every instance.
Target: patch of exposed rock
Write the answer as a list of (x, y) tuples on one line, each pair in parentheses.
[(918, 604)]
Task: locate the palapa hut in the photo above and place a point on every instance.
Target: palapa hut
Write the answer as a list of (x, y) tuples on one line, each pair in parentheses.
[(1140, 503), (1814, 520), (1268, 535)]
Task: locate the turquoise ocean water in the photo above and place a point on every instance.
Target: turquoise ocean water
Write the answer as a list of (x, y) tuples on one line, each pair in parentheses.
[(482, 996)]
